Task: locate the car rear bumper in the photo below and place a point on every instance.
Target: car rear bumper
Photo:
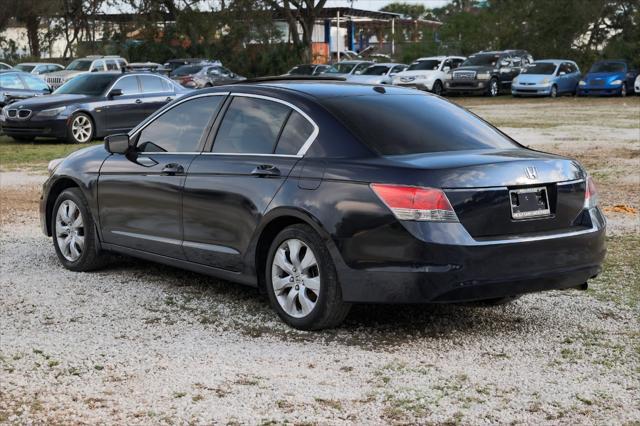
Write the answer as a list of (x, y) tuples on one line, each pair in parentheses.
[(34, 128), (483, 269)]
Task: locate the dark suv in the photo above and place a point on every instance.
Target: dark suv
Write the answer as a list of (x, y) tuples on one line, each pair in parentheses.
[(488, 73)]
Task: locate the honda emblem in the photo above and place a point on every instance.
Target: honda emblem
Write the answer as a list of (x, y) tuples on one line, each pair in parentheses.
[(531, 172)]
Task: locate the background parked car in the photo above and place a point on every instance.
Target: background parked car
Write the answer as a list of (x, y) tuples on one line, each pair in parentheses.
[(428, 73), (90, 105), (146, 66), (4, 66), (204, 75), (173, 64), (17, 85), (85, 65), (612, 77), (636, 85), (39, 68), (378, 73), (345, 68), (488, 72), (549, 77), (308, 69)]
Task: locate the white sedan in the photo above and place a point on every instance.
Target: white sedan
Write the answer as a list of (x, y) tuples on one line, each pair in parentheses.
[(377, 74), (636, 85), (428, 73)]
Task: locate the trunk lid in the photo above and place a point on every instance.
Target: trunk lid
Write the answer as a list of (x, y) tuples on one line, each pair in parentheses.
[(506, 192)]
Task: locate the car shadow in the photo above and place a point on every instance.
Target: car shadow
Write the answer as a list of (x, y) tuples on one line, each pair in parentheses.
[(227, 306)]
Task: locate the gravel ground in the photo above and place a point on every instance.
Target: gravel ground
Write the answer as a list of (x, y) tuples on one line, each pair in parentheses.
[(139, 343)]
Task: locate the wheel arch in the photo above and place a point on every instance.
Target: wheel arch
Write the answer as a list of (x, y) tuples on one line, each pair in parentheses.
[(273, 223), (54, 192)]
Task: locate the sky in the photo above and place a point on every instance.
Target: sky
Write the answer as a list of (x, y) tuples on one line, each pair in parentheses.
[(360, 4)]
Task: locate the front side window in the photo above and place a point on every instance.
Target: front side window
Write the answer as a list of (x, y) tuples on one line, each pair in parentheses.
[(79, 65), (25, 67), (10, 81), (111, 65), (250, 126), (341, 68), (98, 66), (180, 128), (128, 85), (361, 67), (34, 83)]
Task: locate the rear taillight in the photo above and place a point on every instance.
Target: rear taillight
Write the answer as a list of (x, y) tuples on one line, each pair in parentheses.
[(416, 203), (590, 194)]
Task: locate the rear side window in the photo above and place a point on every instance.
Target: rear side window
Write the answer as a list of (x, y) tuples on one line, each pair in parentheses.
[(111, 65), (414, 124), (295, 133), (180, 128), (151, 84), (250, 126)]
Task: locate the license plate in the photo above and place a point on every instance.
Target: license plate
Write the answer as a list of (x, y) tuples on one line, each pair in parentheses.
[(529, 203)]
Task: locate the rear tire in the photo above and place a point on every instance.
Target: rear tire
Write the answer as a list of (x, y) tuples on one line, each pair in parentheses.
[(74, 233), (437, 88), (623, 90), (302, 282)]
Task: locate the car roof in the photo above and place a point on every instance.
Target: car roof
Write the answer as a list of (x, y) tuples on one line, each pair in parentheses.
[(554, 61), (388, 64), (322, 89), (38, 63), (353, 61)]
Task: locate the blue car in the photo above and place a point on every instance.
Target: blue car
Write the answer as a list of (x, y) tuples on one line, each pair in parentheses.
[(548, 77), (607, 78)]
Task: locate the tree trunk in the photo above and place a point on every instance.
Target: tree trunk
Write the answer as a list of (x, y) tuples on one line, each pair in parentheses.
[(32, 24)]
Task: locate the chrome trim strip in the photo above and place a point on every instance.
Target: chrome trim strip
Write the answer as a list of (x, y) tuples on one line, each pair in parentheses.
[(210, 247), (253, 155)]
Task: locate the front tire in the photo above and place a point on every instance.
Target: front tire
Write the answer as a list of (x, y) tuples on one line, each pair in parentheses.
[(302, 282), (81, 129), (623, 90), (494, 89), (74, 233)]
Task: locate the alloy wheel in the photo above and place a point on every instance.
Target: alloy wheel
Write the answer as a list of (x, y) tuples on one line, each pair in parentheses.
[(81, 128), (554, 91), (295, 276), (70, 230)]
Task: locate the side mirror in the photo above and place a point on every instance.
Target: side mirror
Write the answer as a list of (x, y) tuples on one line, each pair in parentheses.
[(117, 144), (114, 92), (94, 69), (446, 69), (505, 63), (562, 73), (47, 91)]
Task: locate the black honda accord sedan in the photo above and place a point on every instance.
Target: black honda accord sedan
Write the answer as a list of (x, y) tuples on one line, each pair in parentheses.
[(325, 194), (90, 106)]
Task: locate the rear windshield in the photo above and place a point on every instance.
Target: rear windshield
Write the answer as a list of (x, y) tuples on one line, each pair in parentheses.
[(80, 65), (426, 65), (302, 70), (187, 70), (376, 70), (546, 68), (608, 67), (414, 124)]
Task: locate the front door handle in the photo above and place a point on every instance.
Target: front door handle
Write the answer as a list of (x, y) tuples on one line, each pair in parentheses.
[(172, 169), (138, 101), (265, 170), (169, 98)]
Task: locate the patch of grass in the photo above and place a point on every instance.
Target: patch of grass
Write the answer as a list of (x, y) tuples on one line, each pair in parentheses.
[(179, 394), (619, 281), (33, 155), (330, 403)]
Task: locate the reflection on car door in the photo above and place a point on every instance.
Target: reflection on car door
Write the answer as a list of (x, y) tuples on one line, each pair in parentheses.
[(140, 196), (257, 144), (124, 112)]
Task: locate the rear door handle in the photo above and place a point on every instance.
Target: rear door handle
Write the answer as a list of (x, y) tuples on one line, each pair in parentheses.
[(265, 170), (172, 169), (138, 101)]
